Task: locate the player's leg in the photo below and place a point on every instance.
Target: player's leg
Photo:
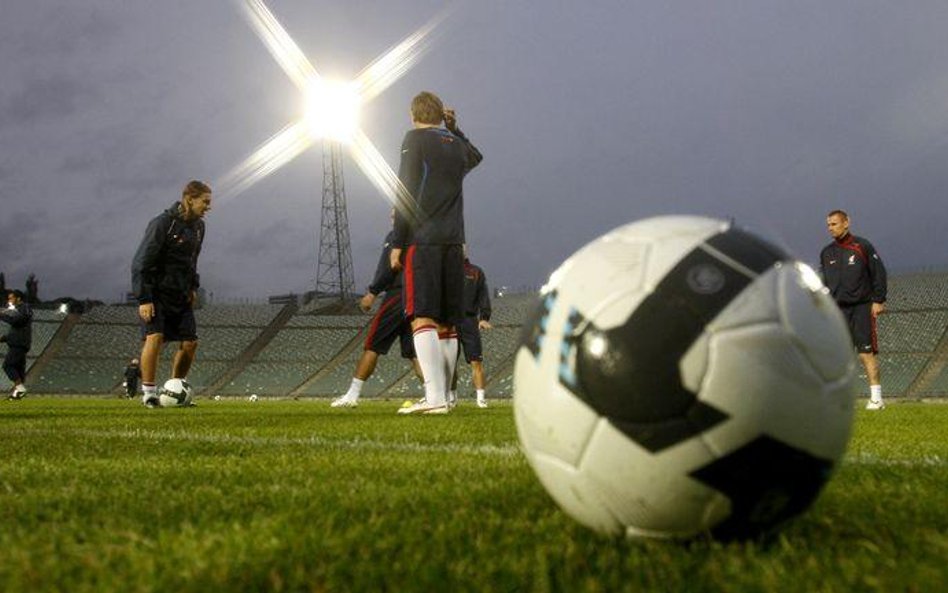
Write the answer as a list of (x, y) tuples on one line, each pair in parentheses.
[(422, 295), (14, 365), (181, 327), (386, 326), (477, 377), (865, 339), (364, 369), (870, 363), (452, 307), (183, 358), (151, 348)]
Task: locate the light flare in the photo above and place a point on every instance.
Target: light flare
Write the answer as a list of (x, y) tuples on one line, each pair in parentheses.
[(393, 64), (282, 148), (282, 47), (373, 165), (332, 108)]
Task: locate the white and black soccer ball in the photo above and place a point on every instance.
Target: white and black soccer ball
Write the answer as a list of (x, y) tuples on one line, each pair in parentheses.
[(680, 376), (175, 393), (253, 397)]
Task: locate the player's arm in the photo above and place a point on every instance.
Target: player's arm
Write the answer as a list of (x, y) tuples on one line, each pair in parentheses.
[(878, 277), (196, 278), (483, 299), (410, 173), (143, 267), (473, 156)]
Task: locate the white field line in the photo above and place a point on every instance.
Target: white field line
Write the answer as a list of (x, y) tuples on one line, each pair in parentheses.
[(313, 441), (363, 444)]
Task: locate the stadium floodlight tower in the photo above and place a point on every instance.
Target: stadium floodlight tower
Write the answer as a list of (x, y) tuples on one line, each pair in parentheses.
[(334, 262), (332, 113)]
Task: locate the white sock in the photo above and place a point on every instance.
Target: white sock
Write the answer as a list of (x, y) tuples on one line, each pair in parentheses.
[(875, 393), (149, 390), (480, 395), (449, 348), (355, 389), (431, 361), (452, 395)]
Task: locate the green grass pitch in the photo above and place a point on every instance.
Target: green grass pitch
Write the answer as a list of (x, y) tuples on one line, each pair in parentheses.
[(105, 495)]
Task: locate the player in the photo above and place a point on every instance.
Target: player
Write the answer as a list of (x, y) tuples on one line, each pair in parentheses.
[(856, 277), (476, 318), (388, 323), (18, 340), (133, 374), (165, 282), (434, 162)]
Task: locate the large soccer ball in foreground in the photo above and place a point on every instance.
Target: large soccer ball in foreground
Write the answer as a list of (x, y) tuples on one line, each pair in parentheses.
[(680, 376), (175, 393)]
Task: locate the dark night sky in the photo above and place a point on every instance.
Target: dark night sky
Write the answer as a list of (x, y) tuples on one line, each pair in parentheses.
[(589, 114)]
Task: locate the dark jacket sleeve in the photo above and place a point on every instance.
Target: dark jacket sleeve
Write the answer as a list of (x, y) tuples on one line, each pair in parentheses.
[(146, 259), (196, 279), (877, 273), (483, 297), (384, 274), (474, 156), (410, 173)]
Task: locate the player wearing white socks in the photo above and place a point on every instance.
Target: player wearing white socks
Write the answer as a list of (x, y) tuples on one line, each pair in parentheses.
[(388, 324), (430, 230), (856, 278)]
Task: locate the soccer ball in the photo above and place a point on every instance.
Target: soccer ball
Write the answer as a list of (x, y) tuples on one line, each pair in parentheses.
[(175, 393), (253, 397), (680, 376)]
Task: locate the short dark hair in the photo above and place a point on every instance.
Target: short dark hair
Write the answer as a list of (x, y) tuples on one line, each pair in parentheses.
[(427, 108), (838, 213), (195, 189)]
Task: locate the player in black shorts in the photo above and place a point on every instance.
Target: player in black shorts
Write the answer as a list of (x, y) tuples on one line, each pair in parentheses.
[(388, 324), (854, 273), (434, 161), (165, 282), (476, 318)]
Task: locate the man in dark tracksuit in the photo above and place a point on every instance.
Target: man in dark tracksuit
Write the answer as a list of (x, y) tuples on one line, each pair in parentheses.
[(476, 318), (856, 278), (388, 323), (18, 340), (433, 165), (165, 281)]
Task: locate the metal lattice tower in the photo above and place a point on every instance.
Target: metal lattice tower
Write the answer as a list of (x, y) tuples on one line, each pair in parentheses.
[(334, 268)]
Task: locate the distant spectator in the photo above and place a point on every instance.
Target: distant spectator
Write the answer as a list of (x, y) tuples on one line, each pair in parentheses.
[(133, 374), (18, 340)]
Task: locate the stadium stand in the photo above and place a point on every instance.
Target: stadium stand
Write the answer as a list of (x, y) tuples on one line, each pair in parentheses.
[(282, 350)]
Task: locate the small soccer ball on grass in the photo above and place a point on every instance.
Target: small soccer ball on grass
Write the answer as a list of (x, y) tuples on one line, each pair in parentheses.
[(680, 376), (253, 397), (175, 393)]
